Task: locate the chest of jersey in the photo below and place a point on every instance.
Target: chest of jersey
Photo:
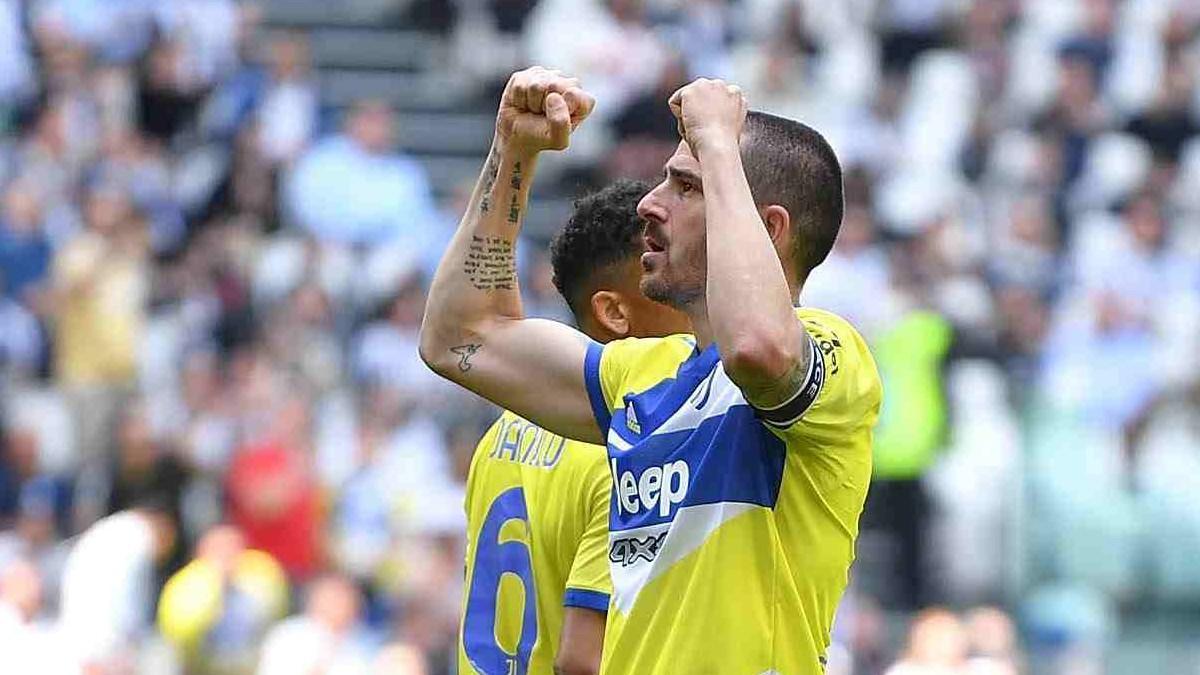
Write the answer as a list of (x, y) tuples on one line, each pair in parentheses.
[(690, 444)]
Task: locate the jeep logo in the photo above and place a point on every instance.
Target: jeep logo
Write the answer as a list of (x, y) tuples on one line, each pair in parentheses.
[(662, 486)]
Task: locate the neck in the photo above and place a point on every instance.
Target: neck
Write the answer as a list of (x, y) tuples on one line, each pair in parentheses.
[(698, 314)]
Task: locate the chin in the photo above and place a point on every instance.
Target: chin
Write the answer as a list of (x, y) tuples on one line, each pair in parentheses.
[(655, 289)]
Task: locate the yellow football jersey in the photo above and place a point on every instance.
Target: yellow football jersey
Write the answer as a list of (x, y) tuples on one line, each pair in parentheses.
[(732, 529), (537, 540)]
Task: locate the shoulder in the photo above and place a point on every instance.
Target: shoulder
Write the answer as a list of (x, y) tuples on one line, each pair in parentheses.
[(850, 374), (823, 321), (662, 352), (834, 336), (636, 364)]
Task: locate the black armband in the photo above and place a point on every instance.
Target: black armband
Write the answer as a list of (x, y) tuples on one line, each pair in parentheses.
[(790, 411)]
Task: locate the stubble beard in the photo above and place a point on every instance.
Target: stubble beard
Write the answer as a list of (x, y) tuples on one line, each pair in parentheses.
[(676, 295)]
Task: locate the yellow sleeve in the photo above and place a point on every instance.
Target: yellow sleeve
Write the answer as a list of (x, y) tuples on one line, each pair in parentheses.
[(842, 390), (604, 370), (588, 584)]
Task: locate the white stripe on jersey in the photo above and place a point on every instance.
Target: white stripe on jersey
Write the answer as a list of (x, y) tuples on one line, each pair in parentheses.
[(686, 533)]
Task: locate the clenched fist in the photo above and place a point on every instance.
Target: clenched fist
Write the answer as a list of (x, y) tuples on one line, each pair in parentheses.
[(540, 108), (709, 111)]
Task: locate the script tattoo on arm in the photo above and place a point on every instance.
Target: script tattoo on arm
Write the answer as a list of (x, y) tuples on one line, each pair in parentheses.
[(514, 207), (464, 353), (493, 170), (490, 265)]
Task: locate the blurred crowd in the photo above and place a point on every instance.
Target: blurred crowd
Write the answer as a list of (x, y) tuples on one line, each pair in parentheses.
[(222, 454)]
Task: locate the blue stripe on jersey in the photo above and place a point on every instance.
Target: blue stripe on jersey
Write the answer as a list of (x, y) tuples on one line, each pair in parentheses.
[(647, 408), (586, 598), (657, 404), (728, 458), (591, 376)]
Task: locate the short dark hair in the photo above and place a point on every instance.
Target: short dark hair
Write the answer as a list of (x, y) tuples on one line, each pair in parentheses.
[(604, 230), (790, 164)]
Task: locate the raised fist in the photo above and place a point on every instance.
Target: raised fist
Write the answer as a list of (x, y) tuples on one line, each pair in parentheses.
[(708, 111), (540, 108)]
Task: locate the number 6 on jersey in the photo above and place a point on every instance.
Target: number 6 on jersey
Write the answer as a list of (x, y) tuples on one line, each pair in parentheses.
[(497, 553)]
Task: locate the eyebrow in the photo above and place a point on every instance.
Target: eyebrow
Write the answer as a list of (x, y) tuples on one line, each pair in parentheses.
[(683, 174)]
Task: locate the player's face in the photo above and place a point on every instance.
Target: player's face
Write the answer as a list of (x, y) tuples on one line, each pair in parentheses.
[(675, 264)]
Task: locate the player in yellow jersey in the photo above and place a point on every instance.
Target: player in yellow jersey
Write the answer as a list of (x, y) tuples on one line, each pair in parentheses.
[(740, 456), (537, 504)]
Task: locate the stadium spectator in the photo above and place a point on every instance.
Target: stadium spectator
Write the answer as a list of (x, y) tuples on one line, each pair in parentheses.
[(400, 659), (992, 639), (208, 32), (16, 66), (609, 44), (385, 350), (141, 470), (272, 493), (26, 486), (287, 109), (29, 644), (646, 130), (101, 279), (353, 188), (168, 94), (937, 645), (1169, 122), (22, 344), (326, 638), (301, 340), (141, 167), (856, 280), (108, 587), (216, 610), (25, 252)]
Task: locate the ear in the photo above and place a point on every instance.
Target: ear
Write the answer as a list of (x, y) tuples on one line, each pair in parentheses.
[(608, 309), (779, 225)]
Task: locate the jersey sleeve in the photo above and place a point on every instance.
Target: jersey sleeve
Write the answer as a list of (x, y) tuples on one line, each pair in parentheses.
[(841, 391), (605, 370), (588, 583)]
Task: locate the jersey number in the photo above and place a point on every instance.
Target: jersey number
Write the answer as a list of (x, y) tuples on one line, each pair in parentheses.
[(494, 559)]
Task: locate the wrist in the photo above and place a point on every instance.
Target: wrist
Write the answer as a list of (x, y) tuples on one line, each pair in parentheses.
[(717, 142), (505, 148)]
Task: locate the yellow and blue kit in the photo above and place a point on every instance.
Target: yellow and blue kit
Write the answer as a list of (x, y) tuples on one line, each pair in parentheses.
[(731, 529), (537, 541)]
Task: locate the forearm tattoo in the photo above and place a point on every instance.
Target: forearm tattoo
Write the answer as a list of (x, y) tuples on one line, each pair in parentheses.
[(514, 207), (464, 353), (490, 265), (489, 182)]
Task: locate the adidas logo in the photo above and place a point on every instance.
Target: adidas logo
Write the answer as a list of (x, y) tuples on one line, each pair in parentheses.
[(631, 419)]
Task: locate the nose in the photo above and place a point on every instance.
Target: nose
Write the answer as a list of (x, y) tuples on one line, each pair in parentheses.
[(651, 208)]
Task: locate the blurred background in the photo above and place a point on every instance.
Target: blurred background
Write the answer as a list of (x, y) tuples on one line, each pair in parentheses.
[(221, 453)]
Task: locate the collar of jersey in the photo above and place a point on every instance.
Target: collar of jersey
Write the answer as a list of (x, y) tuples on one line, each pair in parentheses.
[(700, 361), (679, 389)]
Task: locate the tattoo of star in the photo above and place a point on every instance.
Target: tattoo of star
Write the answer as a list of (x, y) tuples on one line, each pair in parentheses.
[(465, 352)]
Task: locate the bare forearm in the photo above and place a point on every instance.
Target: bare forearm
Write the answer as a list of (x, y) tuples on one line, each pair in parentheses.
[(476, 281), (474, 331), (749, 303)]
